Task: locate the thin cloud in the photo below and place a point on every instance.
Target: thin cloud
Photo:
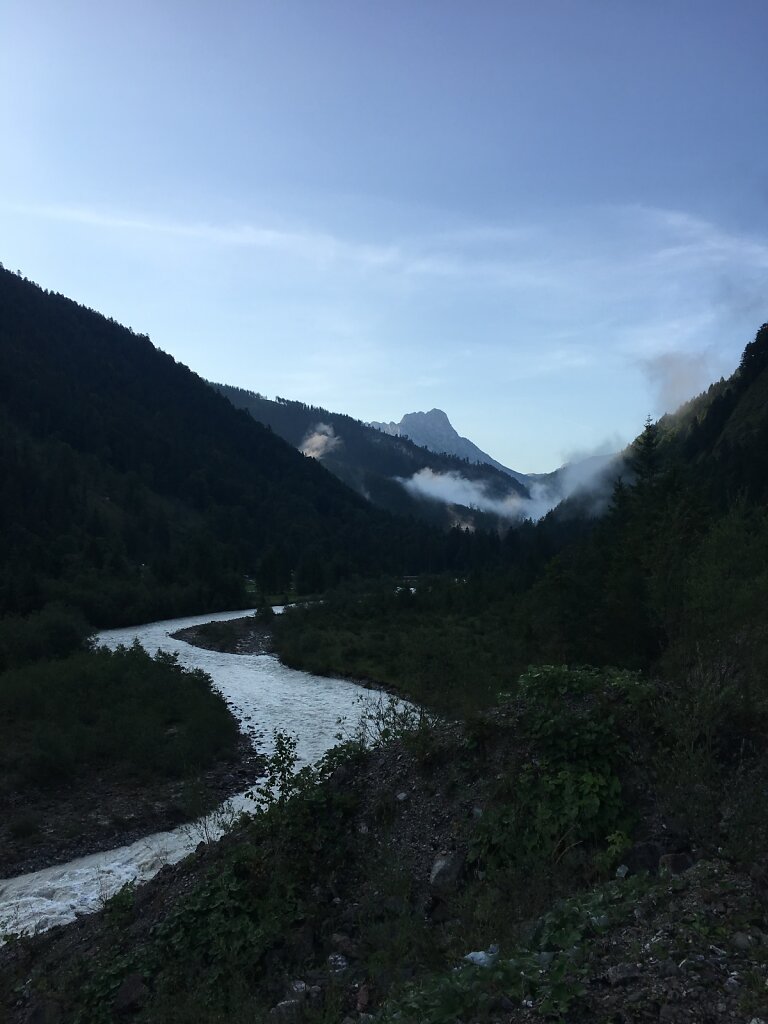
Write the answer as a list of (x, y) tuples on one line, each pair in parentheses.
[(676, 376), (320, 441)]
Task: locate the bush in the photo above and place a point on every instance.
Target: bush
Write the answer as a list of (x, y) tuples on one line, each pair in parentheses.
[(103, 708)]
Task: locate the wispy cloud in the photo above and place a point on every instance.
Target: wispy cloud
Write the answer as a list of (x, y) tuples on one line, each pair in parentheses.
[(626, 283), (320, 441), (316, 246)]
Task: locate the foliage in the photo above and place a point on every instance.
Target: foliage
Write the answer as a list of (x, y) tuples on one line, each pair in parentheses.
[(372, 462), (117, 709), (547, 974), (567, 791), (133, 490), (215, 939)]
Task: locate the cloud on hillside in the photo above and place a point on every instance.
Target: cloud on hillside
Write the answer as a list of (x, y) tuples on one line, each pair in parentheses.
[(591, 473), (675, 377), (320, 441), (454, 489)]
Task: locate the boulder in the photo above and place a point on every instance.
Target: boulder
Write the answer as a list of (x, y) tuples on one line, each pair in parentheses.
[(445, 872)]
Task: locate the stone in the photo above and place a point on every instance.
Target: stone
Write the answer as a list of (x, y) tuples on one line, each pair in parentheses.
[(363, 998), (337, 962), (484, 957), (622, 974), (402, 797), (131, 995), (344, 945), (742, 941), (445, 872), (46, 1012), (643, 857), (675, 863), (668, 969), (288, 1011)]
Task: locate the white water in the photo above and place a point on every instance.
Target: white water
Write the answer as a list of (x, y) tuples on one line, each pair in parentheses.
[(262, 694)]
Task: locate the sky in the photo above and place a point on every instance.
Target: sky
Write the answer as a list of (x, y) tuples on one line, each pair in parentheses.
[(548, 218)]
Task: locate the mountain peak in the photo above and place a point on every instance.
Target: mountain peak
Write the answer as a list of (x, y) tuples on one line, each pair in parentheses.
[(435, 431)]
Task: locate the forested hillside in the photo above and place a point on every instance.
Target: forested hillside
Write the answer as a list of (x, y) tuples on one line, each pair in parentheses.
[(132, 489), (672, 575), (377, 465)]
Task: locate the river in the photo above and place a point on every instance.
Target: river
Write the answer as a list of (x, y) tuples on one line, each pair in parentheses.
[(263, 695)]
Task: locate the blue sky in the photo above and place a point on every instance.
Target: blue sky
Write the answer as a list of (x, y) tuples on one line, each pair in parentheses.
[(547, 218)]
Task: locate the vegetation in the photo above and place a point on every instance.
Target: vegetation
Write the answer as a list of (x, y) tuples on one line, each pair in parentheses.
[(601, 682), (71, 718), (322, 899), (133, 490), (671, 579), (372, 463)]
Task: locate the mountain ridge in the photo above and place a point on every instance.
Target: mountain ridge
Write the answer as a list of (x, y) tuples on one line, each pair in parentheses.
[(435, 431), (392, 471)]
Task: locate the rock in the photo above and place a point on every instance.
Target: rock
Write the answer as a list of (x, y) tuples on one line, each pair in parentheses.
[(732, 984), (131, 995), (440, 911), (668, 969), (337, 963), (622, 974), (742, 941), (46, 1012), (344, 945), (297, 990), (484, 957), (401, 797), (363, 998), (675, 863), (445, 871), (643, 857), (288, 1011)]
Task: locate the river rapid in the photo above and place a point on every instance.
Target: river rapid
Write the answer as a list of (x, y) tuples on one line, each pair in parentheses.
[(263, 695)]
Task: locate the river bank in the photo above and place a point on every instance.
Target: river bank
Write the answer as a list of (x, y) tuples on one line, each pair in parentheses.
[(39, 829), (246, 635), (262, 694)]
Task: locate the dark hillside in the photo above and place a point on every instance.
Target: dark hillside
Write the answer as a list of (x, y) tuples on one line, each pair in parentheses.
[(723, 434), (374, 464), (673, 576), (132, 489)]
